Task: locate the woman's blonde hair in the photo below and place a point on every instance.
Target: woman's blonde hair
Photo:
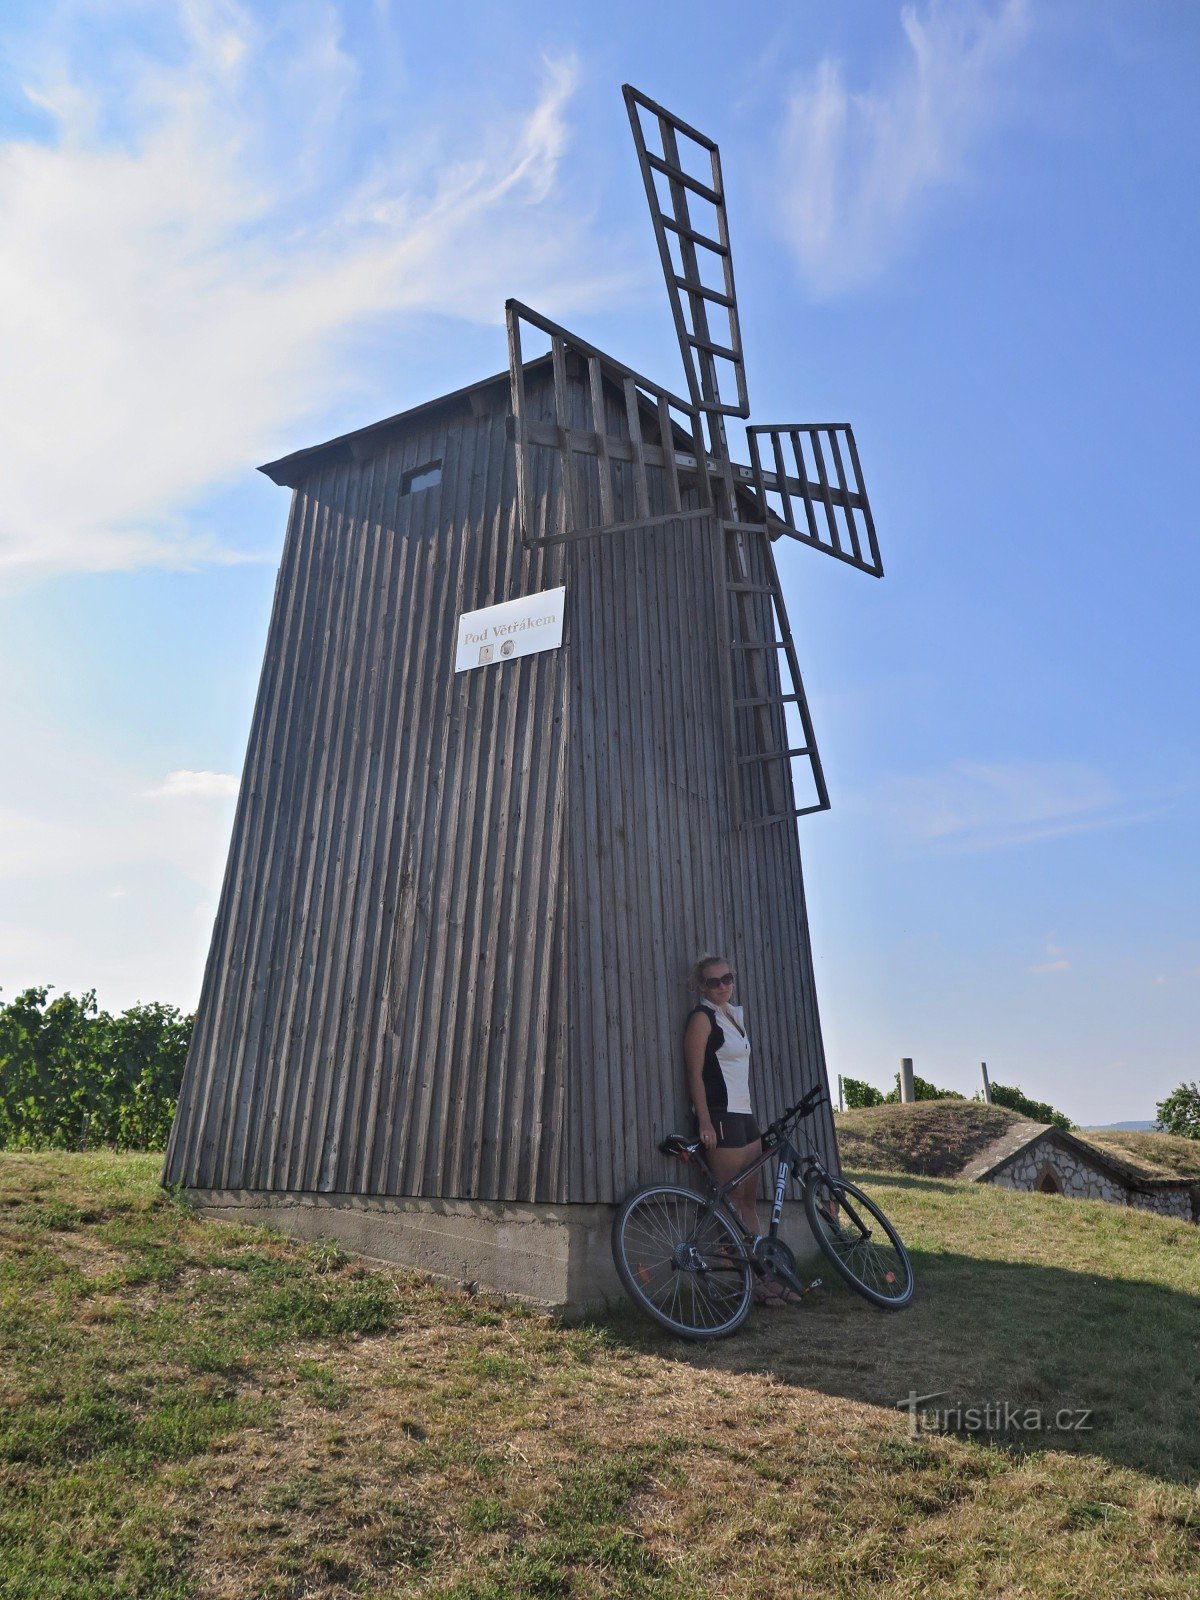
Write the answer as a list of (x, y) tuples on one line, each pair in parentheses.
[(698, 967)]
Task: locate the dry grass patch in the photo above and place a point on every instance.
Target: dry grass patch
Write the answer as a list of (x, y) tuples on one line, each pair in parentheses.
[(200, 1412), (1158, 1155), (928, 1138)]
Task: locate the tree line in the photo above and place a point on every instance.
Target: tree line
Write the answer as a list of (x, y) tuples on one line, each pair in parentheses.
[(73, 1077)]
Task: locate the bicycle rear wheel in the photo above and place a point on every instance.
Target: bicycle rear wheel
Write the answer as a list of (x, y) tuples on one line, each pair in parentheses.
[(681, 1261), (859, 1240)]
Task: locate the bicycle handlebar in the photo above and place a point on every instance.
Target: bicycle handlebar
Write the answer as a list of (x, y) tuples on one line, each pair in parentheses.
[(685, 1149), (803, 1108)]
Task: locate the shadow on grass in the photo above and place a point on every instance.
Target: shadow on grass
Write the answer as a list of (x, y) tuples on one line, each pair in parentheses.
[(1106, 1366), (905, 1180)]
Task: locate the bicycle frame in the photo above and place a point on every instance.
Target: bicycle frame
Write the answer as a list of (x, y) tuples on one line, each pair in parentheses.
[(790, 1160)]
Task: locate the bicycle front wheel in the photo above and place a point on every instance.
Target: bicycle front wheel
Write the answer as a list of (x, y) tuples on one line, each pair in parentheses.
[(681, 1261), (859, 1240)]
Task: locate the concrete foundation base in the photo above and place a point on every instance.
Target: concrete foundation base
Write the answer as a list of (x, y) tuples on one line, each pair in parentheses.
[(551, 1255)]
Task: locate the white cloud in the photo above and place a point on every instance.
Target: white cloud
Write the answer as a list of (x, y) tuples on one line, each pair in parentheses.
[(859, 169), (106, 880), (183, 260), (104, 823), (186, 785), (978, 805), (1056, 959)]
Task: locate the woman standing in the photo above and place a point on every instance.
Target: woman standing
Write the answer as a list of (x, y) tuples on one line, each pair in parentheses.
[(716, 1052)]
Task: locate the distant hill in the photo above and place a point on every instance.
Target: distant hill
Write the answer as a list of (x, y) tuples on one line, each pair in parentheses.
[(1120, 1127)]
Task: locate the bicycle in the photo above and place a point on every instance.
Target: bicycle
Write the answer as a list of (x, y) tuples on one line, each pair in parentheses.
[(689, 1261)]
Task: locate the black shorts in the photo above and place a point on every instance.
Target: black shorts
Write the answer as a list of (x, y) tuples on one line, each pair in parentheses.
[(735, 1129)]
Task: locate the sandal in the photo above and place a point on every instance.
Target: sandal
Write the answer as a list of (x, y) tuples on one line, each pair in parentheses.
[(780, 1294), (772, 1301), (767, 1294)]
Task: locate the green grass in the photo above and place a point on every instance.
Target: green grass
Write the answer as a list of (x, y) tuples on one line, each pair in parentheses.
[(195, 1411)]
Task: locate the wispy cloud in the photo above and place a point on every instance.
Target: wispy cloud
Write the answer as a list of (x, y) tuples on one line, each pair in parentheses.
[(178, 282), (1056, 959), (184, 785), (970, 806), (860, 169)]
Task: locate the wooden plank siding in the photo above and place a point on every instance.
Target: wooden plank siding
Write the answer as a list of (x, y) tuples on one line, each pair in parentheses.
[(449, 952)]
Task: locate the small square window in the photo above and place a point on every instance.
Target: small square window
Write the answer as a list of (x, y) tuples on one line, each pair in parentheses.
[(426, 477)]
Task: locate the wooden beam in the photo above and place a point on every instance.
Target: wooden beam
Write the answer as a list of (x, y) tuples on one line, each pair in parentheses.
[(641, 491), (624, 527), (665, 434), (596, 389), (584, 443), (516, 371), (562, 416)]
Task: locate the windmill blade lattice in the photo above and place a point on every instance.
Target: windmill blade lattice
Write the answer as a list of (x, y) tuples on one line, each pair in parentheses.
[(614, 437), (693, 226), (817, 493)]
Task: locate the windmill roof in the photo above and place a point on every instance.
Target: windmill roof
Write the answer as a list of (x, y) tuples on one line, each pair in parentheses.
[(289, 469)]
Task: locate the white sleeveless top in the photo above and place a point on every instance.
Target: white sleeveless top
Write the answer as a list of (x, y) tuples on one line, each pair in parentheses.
[(733, 1057)]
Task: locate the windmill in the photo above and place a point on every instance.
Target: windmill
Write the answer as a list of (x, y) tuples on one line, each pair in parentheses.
[(529, 733), (810, 488)]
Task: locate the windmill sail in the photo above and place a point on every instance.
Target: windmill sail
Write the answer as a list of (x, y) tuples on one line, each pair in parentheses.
[(626, 452), (692, 229), (812, 489), (775, 768)]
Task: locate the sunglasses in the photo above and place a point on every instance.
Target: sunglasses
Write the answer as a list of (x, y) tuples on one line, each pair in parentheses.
[(717, 983)]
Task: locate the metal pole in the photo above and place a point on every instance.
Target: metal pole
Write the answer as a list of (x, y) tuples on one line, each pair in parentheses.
[(841, 1103), (987, 1085), (907, 1090)]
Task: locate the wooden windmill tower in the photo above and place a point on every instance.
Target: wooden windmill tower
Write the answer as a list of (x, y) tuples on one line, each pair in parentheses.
[(530, 733)]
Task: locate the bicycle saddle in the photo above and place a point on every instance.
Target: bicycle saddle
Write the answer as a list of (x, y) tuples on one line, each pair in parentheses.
[(676, 1145)]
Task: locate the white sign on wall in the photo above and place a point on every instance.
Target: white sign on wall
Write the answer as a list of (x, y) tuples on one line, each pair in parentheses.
[(513, 628)]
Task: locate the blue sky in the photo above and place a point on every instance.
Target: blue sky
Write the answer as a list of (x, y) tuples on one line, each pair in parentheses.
[(970, 229)]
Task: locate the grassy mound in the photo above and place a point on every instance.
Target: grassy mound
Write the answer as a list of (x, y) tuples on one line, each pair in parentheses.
[(1157, 1155), (936, 1139), (927, 1138), (198, 1411)]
